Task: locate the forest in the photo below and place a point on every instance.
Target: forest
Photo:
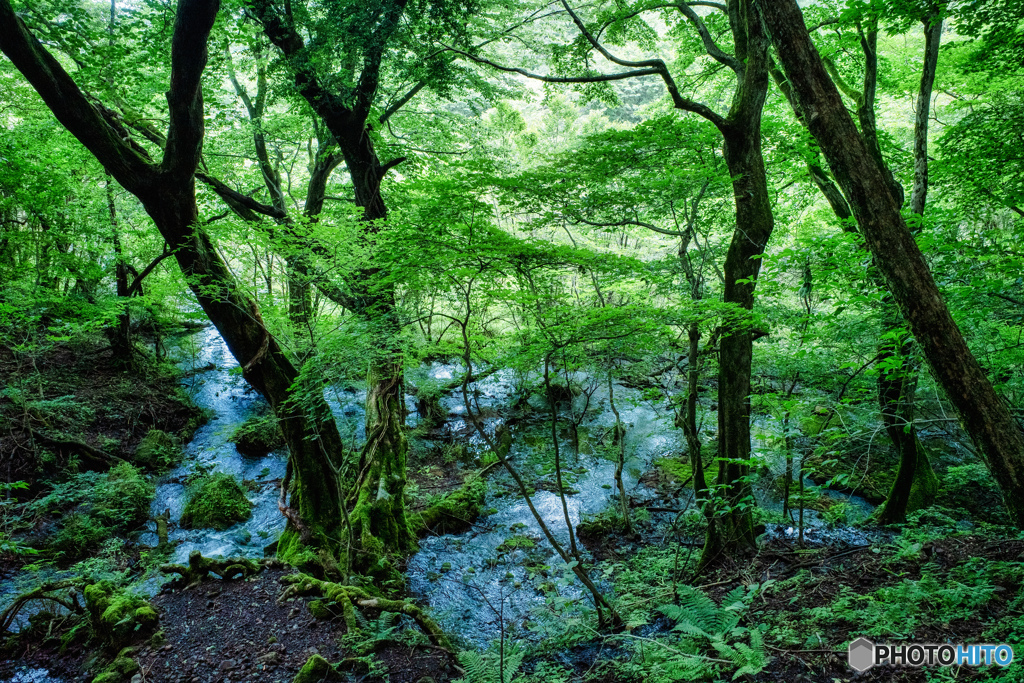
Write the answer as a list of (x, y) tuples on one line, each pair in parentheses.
[(511, 341)]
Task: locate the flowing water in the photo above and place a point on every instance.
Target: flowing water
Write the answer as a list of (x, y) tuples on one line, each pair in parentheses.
[(476, 583)]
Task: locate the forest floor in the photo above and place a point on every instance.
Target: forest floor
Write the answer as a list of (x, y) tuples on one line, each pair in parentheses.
[(68, 395), (239, 631), (941, 578)]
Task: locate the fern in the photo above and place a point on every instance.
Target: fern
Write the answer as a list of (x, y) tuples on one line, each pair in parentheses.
[(717, 626), (487, 667)]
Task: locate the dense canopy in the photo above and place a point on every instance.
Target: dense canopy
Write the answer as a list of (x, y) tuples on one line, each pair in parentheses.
[(509, 341)]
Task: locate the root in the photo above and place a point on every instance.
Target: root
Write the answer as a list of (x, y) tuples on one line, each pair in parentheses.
[(200, 567), (347, 596)]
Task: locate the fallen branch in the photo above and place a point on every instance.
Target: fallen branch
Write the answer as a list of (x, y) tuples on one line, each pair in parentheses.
[(44, 592)]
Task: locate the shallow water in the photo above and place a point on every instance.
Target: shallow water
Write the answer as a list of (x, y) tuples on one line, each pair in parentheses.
[(471, 586)]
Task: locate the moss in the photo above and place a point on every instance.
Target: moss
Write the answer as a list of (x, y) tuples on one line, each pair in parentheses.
[(833, 470), (317, 670), (453, 514), (596, 527), (118, 670), (216, 502), (158, 450), (118, 617), (258, 436), (516, 542), (678, 469)]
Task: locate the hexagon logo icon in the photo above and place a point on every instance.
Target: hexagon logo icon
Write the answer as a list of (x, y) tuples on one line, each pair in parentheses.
[(861, 654)]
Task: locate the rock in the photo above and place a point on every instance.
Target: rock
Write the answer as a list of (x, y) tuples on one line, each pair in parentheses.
[(137, 678)]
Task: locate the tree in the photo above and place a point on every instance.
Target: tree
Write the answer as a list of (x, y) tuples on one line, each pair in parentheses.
[(732, 525), (357, 40), (984, 414)]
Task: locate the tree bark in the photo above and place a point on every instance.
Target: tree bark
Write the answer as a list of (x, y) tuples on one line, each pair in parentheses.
[(380, 500), (876, 207)]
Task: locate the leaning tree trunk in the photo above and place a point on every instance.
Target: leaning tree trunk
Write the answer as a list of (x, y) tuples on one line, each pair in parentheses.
[(167, 192), (983, 413), (915, 484)]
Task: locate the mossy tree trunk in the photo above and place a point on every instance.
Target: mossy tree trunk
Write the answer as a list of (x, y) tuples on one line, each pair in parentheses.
[(379, 523), (915, 484)]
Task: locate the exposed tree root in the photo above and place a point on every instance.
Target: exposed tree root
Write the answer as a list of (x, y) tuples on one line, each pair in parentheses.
[(200, 567), (347, 596)]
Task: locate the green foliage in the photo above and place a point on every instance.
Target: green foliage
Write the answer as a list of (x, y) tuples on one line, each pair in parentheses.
[(495, 665), (971, 489), (158, 450), (216, 501), (701, 622), (939, 597), (95, 506)]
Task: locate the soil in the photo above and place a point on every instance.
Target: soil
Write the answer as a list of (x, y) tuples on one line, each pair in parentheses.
[(226, 631), (107, 407)]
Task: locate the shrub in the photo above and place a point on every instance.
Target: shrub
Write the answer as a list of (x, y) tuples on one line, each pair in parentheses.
[(122, 501), (216, 502)]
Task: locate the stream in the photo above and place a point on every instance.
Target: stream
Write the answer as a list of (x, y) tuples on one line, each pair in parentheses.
[(476, 587)]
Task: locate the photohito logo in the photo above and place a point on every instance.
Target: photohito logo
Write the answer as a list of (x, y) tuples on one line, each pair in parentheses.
[(863, 654)]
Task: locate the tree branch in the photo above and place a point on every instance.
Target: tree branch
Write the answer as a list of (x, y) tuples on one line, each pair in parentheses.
[(710, 46), (185, 97)]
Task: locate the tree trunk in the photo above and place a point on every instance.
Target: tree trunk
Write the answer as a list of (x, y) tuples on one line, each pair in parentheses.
[(982, 411), (731, 528)]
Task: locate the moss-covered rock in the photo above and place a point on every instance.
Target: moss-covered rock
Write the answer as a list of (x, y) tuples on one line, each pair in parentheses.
[(158, 450), (216, 502), (317, 670), (117, 617), (453, 514), (119, 670), (257, 436), (972, 489), (677, 469)]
